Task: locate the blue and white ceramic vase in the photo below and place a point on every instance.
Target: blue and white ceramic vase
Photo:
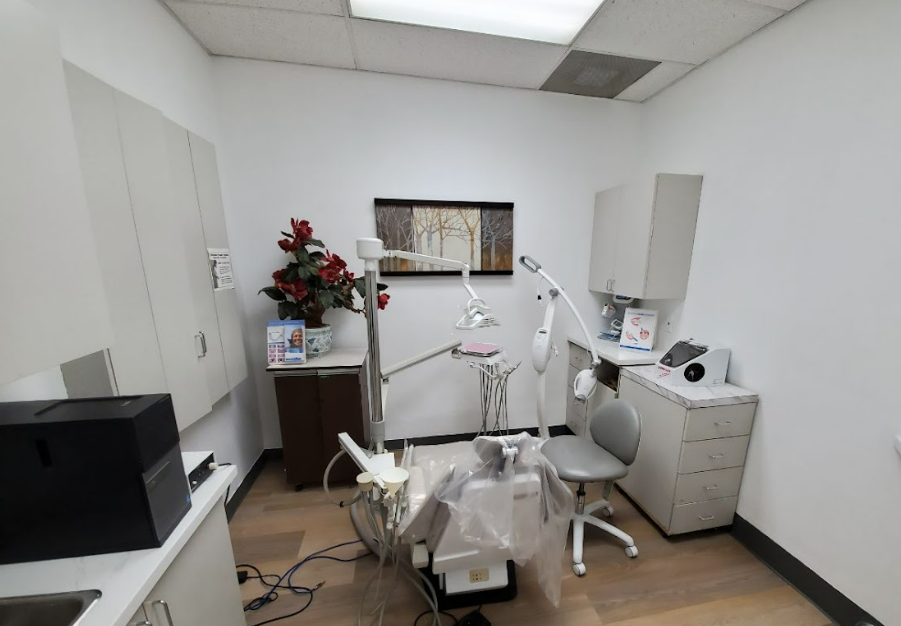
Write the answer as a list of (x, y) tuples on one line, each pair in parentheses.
[(319, 340)]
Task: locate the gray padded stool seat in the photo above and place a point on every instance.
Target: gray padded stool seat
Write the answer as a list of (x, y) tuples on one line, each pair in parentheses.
[(581, 460), (601, 457)]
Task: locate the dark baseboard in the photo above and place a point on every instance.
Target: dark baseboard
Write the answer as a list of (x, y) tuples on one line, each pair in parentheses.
[(231, 506), (434, 440), (830, 600)]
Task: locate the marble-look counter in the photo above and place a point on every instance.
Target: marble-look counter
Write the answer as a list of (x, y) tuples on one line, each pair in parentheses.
[(124, 578), (336, 357), (689, 397), (610, 351)]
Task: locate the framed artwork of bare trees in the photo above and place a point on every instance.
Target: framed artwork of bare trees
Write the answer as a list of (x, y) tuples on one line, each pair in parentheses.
[(477, 233)]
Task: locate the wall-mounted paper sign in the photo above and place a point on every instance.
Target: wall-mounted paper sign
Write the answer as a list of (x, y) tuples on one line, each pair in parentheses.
[(221, 268)]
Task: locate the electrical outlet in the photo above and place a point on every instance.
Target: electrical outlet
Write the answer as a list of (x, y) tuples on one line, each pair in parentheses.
[(478, 575)]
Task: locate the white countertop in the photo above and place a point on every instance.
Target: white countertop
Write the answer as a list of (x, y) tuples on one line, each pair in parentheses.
[(124, 578), (610, 351), (336, 357), (689, 397)]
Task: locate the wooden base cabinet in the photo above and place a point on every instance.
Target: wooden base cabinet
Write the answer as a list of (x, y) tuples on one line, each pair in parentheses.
[(314, 405)]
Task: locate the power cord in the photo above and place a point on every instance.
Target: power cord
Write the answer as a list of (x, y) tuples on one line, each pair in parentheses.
[(284, 581)]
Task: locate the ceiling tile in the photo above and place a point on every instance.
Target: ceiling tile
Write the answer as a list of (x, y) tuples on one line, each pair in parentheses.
[(268, 34), (452, 55), (785, 5), (685, 31), (656, 80), (322, 7)]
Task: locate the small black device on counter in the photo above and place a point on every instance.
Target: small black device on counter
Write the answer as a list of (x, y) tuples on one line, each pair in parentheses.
[(201, 471), (89, 476)]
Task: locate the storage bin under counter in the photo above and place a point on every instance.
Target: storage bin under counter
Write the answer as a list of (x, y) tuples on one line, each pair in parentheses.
[(687, 474)]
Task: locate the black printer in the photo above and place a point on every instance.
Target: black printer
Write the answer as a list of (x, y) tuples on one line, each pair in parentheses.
[(89, 476)]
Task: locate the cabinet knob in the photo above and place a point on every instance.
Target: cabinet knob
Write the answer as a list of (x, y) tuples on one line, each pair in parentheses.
[(711, 487), (725, 423), (706, 518), (718, 455)]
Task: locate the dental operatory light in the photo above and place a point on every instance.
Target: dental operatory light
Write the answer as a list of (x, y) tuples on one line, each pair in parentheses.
[(553, 21)]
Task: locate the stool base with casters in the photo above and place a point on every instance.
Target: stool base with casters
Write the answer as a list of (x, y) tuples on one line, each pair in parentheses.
[(583, 515)]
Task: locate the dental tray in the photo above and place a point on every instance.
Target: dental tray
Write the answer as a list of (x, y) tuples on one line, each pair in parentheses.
[(480, 349)]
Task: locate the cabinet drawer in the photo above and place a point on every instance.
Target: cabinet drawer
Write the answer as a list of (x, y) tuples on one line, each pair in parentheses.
[(700, 456), (575, 422), (701, 515), (579, 408), (571, 376), (579, 357), (703, 486), (713, 422)]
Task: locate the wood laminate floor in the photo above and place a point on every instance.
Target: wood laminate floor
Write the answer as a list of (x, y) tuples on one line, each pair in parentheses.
[(704, 579)]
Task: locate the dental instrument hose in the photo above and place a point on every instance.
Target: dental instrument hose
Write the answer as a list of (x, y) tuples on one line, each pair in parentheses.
[(328, 493)]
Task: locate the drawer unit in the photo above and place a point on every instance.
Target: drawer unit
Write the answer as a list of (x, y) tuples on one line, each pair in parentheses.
[(702, 486), (575, 423), (579, 357), (732, 420), (710, 454), (703, 515), (578, 413), (688, 471)]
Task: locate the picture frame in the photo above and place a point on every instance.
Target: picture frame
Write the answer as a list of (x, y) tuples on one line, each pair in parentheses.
[(477, 233)]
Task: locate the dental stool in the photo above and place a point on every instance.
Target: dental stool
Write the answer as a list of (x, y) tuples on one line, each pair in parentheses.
[(615, 430)]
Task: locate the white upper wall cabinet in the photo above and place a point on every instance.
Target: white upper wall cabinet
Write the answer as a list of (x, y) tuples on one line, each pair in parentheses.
[(643, 235), (209, 196), (158, 225), (198, 266), (52, 305), (135, 355)]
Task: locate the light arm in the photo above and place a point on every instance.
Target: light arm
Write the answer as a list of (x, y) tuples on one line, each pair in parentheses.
[(435, 260)]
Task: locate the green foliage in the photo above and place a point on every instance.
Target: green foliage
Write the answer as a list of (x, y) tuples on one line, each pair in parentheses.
[(274, 292)]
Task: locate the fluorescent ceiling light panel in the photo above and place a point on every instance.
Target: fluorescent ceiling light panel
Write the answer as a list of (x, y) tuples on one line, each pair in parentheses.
[(553, 21)]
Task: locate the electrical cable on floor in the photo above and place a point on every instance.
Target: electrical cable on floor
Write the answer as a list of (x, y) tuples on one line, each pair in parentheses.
[(284, 581)]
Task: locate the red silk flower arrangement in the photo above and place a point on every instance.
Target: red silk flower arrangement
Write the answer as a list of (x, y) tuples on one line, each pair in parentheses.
[(314, 281)]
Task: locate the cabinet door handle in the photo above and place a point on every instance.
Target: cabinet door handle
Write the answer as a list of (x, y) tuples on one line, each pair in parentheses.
[(203, 342), (144, 623), (608, 285), (706, 518), (711, 487), (726, 423), (166, 610), (718, 455), (612, 284)]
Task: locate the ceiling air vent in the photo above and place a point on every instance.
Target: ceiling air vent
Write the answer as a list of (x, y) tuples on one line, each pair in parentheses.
[(598, 75)]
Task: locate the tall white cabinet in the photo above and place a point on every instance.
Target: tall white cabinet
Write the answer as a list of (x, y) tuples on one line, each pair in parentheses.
[(143, 198), (643, 235), (52, 304)]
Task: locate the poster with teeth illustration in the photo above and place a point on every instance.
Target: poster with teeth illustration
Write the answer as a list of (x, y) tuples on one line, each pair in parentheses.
[(639, 330)]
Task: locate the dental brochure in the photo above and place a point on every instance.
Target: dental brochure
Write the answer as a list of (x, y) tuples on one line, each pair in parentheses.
[(295, 342), (639, 330), (275, 341)]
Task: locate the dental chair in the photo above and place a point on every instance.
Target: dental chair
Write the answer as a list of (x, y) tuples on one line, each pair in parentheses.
[(615, 430)]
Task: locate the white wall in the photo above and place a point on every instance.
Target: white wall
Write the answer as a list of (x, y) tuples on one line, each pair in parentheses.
[(139, 48), (795, 267), (320, 144)]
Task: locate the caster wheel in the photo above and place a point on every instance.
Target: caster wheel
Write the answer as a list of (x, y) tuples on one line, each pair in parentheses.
[(298, 487), (607, 511), (631, 552), (579, 569)]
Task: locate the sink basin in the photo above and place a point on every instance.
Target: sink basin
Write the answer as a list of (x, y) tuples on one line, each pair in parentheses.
[(53, 609)]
